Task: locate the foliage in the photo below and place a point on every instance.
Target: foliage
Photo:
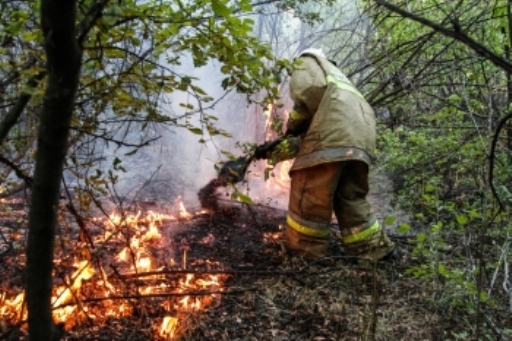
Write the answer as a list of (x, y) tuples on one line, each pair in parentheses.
[(437, 101), (441, 104), (130, 76)]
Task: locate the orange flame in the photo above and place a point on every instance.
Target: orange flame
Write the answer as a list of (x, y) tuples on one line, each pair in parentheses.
[(11, 308), (141, 230), (168, 328), (183, 212), (66, 294)]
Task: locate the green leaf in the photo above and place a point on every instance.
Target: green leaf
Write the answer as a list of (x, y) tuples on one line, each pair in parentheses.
[(429, 188), (245, 5), (244, 198), (131, 152), (186, 105), (196, 131), (404, 228), (266, 174), (390, 220), (454, 98), (442, 269), (474, 214), (421, 237), (462, 219), (116, 162), (220, 8)]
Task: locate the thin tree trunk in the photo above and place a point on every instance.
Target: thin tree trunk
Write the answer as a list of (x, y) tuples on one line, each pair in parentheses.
[(509, 74), (63, 69)]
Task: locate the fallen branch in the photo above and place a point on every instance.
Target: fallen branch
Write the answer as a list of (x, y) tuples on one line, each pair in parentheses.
[(209, 272), (499, 334), (236, 272), (159, 295)]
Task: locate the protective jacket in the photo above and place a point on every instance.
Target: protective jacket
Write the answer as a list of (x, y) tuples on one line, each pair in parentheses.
[(340, 124), (337, 142)]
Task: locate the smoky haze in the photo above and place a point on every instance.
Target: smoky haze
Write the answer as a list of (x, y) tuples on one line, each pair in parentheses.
[(177, 165)]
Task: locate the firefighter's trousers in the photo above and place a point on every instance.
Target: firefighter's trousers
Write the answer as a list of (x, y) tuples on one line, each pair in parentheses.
[(341, 187)]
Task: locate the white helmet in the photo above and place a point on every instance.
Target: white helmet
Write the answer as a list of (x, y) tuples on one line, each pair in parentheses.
[(313, 51)]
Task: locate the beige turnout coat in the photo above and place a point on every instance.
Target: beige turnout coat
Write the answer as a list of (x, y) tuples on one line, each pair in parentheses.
[(341, 123)]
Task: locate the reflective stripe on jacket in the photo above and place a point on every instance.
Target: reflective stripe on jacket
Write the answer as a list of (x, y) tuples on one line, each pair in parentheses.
[(341, 123)]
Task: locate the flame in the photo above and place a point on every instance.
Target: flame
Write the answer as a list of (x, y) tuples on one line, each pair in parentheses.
[(66, 294), (144, 264), (280, 177), (63, 295), (133, 233), (12, 307), (269, 236), (168, 328), (281, 172), (268, 118), (146, 229), (183, 212)]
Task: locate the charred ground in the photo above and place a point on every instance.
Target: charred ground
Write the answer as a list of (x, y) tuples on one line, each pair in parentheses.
[(268, 293)]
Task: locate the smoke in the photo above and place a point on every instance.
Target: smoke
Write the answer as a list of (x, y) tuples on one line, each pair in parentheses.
[(178, 165)]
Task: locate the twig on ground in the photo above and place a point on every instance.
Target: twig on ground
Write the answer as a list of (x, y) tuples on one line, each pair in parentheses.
[(233, 272), (495, 329), (160, 295), (209, 272), (79, 302), (6, 242)]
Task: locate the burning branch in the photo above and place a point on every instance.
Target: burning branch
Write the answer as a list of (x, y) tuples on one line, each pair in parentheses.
[(162, 295)]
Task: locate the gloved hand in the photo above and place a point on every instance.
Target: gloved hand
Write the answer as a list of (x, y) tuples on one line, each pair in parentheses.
[(298, 130), (265, 150), (261, 152), (290, 132)]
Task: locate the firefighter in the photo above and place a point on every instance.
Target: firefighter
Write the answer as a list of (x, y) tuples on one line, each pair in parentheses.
[(333, 141)]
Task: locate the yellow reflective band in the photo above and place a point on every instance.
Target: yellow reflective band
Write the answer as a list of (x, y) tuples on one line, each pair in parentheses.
[(296, 116), (343, 86), (306, 230), (360, 236)]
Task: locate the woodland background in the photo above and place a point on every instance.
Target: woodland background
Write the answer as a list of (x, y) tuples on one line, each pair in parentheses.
[(94, 91)]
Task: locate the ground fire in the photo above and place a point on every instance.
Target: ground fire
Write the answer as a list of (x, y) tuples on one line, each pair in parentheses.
[(106, 286), (149, 260), (136, 255)]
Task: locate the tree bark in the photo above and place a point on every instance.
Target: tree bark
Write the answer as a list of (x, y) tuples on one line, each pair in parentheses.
[(63, 70), (508, 47)]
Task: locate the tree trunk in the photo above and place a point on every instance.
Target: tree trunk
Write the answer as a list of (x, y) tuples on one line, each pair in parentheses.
[(508, 46), (63, 69)]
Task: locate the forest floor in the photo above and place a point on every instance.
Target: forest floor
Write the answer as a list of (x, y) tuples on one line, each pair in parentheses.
[(262, 291)]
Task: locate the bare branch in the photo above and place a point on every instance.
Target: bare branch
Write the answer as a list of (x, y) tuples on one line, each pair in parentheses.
[(19, 173), (492, 151), (92, 16), (456, 34), (14, 114)]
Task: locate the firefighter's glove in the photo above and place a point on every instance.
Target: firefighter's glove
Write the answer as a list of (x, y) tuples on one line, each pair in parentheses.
[(298, 129), (261, 152), (290, 132)]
